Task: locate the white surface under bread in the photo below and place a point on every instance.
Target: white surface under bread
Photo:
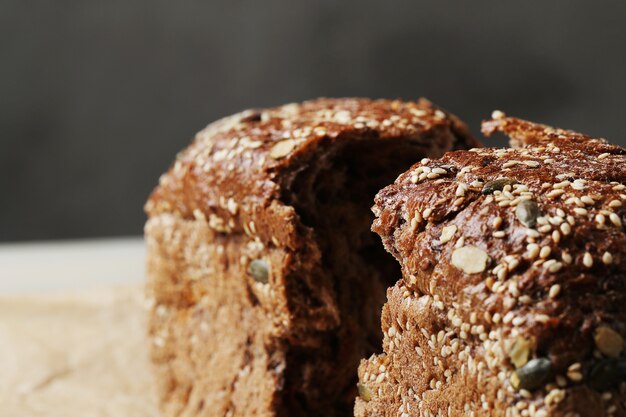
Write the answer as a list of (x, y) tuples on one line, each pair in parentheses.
[(45, 267), (71, 338)]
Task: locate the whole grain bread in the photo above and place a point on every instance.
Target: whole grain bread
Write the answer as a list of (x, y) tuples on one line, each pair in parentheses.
[(267, 282), (513, 298)]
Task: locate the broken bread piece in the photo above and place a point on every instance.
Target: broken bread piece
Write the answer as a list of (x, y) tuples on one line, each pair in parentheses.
[(512, 300), (266, 279)]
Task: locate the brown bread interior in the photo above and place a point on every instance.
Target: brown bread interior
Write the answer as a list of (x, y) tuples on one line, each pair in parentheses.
[(333, 196)]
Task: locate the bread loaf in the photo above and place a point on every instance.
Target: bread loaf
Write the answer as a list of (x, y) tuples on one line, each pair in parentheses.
[(512, 300), (267, 280)]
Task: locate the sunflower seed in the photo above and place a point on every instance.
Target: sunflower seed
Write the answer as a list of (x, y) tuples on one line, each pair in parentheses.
[(527, 212), (470, 259), (447, 233), (364, 392), (520, 351), (497, 185), (282, 148)]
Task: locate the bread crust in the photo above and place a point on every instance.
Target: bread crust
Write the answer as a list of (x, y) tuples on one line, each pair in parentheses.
[(227, 342), (523, 245)]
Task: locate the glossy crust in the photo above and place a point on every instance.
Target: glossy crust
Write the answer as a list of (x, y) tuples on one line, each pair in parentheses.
[(484, 290), (225, 343)]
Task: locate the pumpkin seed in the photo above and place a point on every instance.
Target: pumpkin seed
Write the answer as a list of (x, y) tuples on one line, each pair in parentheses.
[(608, 341), (497, 185), (607, 374), (259, 271), (532, 375), (527, 212), (364, 392)]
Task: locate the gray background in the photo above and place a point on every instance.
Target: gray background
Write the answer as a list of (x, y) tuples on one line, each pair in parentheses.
[(96, 97)]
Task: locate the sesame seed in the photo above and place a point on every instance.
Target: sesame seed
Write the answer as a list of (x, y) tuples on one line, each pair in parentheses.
[(461, 189), (545, 252), (512, 264), (554, 291), (607, 258), (555, 193), (580, 211), (497, 114), (499, 234), (587, 200), (518, 321), (447, 233), (566, 229), (554, 396), (562, 184), (576, 366), (566, 257), (533, 250), (556, 220), (555, 267), (545, 228), (508, 317), (575, 376), (587, 260), (502, 273), (497, 222), (615, 203), (532, 233), (615, 219), (556, 236)]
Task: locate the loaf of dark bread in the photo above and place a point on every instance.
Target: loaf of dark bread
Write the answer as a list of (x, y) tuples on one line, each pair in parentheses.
[(513, 298), (266, 279)]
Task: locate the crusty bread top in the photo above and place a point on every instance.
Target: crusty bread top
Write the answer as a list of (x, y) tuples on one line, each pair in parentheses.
[(529, 238), (232, 167)]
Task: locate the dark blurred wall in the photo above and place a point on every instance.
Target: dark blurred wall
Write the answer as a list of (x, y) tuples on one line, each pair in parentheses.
[(96, 97)]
